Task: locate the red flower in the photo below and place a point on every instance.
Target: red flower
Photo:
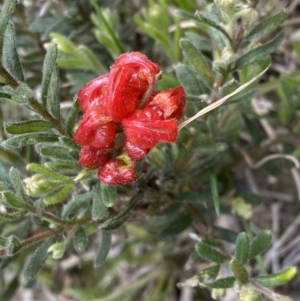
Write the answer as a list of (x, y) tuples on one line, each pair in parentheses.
[(125, 90), (93, 93), (91, 157), (144, 128), (130, 77), (169, 102), (116, 172), (134, 152), (95, 129)]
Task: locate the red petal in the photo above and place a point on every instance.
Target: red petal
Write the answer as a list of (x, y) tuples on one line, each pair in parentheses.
[(170, 102), (134, 152), (93, 93), (145, 129), (91, 157), (124, 92), (95, 129), (115, 172)]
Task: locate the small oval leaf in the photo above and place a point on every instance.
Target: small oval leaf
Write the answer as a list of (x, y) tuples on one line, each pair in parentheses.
[(209, 253), (103, 248), (220, 283), (242, 248), (260, 243), (239, 271)]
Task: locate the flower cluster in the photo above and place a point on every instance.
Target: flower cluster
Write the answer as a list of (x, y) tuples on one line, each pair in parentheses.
[(124, 118)]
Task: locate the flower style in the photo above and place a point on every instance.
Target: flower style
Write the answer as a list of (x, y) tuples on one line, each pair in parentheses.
[(124, 118)]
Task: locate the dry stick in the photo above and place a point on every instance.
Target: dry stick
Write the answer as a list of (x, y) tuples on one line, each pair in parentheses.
[(220, 101)]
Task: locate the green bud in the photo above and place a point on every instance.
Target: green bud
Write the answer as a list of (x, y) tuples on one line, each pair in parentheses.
[(57, 249), (12, 245), (228, 6), (37, 185), (249, 294)]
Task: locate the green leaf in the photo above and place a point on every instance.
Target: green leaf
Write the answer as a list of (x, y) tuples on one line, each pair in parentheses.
[(198, 62), (17, 183), (48, 68), (80, 201), (53, 96), (21, 94), (79, 240), (277, 279), (119, 219), (9, 217), (12, 200), (29, 139), (11, 61), (64, 45), (220, 283), (38, 259), (56, 152), (91, 60), (12, 245), (108, 194), (258, 53), (69, 143), (209, 253), (214, 191), (188, 80), (7, 9), (98, 208), (103, 248), (209, 273), (34, 167), (242, 248), (260, 243), (31, 126), (239, 271), (267, 26), (177, 226), (59, 196), (72, 117)]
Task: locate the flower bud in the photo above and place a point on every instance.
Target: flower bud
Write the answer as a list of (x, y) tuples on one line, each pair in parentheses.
[(37, 185), (134, 152), (95, 129), (117, 172), (144, 128), (93, 93), (91, 157), (170, 102)]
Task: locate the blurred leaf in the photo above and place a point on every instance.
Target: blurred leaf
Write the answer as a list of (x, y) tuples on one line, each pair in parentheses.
[(59, 196), (103, 248), (239, 271), (277, 279), (7, 9), (29, 139), (56, 152), (38, 259), (48, 68), (242, 248), (12, 200), (79, 240), (199, 42), (260, 243), (209, 253), (99, 208), (72, 117), (46, 171), (177, 226), (188, 80), (267, 26), (258, 53), (53, 95), (220, 283), (30, 126), (214, 191), (10, 58), (108, 194), (9, 217), (76, 203), (198, 62), (21, 94), (209, 273), (69, 143), (17, 183)]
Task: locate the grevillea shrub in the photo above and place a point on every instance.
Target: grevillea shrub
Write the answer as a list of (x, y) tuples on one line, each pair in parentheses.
[(146, 161)]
